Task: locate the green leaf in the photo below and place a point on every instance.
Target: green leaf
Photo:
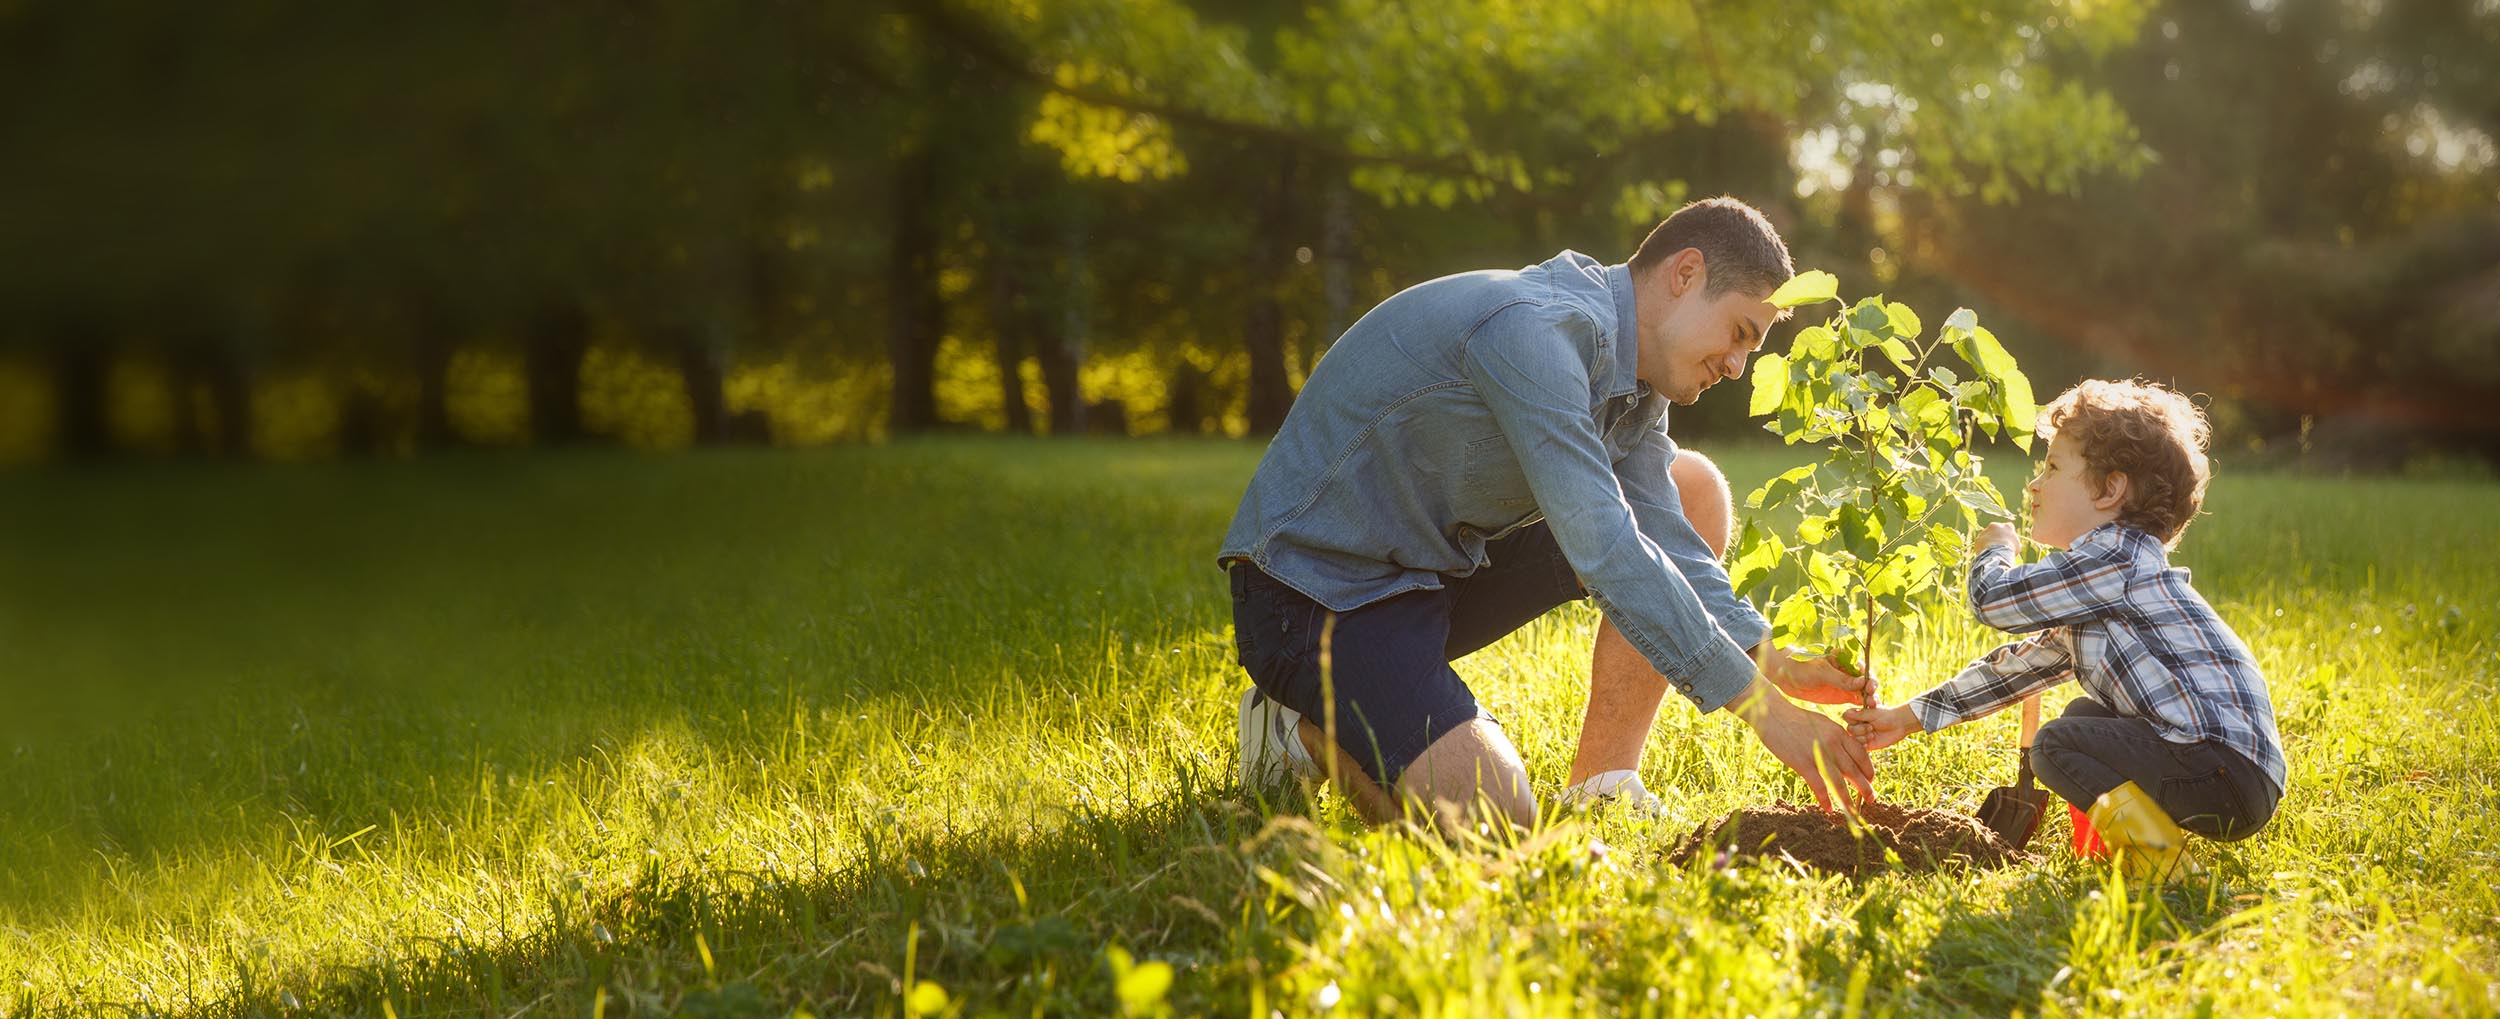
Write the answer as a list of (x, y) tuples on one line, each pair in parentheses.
[(1962, 319), (1869, 316), (1813, 286), (1905, 322), (1770, 384), (1813, 343), (1898, 351), (2020, 413), (1776, 491), (1813, 529), (1827, 575), (1795, 619), (1754, 562), (1944, 376), (1988, 356), (1860, 532), (1931, 412)]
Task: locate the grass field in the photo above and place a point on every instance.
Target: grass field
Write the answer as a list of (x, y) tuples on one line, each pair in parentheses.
[(946, 727)]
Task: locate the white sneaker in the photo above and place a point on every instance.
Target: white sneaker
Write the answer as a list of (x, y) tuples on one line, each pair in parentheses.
[(1271, 748), (1617, 790)]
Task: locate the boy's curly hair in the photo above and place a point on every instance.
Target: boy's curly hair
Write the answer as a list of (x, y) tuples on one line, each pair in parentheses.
[(2148, 432)]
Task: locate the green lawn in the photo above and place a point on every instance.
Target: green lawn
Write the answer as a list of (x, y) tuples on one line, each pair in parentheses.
[(949, 724)]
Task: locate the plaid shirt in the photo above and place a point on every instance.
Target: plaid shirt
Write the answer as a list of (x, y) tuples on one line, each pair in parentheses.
[(2112, 611)]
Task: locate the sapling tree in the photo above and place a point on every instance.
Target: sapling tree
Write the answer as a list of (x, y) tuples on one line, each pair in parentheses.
[(1883, 515)]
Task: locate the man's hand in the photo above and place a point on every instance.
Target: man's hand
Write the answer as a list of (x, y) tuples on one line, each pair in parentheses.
[(1999, 533), (1809, 744), (1816, 680), (1878, 728)]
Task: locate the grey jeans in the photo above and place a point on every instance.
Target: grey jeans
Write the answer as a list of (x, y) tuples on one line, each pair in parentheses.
[(2208, 788)]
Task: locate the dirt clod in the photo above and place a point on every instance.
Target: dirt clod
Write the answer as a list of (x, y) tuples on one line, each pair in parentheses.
[(1923, 839)]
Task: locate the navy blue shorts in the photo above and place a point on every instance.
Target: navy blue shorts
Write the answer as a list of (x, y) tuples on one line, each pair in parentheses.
[(1390, 660)]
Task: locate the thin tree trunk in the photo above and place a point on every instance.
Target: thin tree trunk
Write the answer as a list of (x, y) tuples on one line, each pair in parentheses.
[(1263, 327), (432, 350), (911, 284), (1007, 327), (699, 365), (1061, 347), (80, 361), (558, 338), (1336, 279), (212, 362)]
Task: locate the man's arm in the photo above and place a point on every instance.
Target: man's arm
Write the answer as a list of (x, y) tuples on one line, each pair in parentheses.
[(1658, 511), (1648, 480), (1527, 368)]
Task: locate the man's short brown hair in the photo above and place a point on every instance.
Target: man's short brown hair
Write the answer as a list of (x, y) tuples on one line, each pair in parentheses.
[(1738, 245), (2146, 431)]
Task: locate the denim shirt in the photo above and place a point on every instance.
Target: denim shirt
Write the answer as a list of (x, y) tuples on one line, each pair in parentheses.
[(1465, 407)]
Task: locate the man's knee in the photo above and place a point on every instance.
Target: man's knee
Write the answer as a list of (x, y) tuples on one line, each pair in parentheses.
[(1707, 501), (1469, 771)]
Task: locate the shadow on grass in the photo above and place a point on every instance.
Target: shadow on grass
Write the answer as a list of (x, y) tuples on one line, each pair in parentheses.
[(247, 660), (2065, 932), (1017, 922)]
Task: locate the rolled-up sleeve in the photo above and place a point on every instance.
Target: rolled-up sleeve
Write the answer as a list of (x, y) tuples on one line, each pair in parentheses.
[(1527, 363), (1658, 510)]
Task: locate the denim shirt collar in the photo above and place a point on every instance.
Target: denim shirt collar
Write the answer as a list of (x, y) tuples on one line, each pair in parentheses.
[(1627, 338)]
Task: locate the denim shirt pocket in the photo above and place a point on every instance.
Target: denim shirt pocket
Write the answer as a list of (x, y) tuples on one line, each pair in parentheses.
[(1493, 481)]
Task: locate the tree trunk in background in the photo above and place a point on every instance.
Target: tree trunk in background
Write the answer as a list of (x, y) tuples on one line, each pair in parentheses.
[(700, 362), (1061, 346), (915, 314), (1336, 266), (558, 338), (213, 364), (432, 349), (1009, 322), (80, 361), (1263, 328)]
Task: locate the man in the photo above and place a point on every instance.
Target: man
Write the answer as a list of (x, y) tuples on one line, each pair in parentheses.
[(1477, 450)]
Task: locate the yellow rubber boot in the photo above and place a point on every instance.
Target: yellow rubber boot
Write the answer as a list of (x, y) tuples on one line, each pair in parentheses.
[(2148, 843)]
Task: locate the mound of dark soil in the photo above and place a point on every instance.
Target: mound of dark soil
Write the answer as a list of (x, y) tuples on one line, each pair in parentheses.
[(1923, 839)]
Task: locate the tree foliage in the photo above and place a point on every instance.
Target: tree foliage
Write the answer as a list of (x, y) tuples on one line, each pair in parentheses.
[(1883, 514)]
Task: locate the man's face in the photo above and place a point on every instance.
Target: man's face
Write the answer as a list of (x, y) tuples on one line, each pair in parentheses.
[(1690, 340)]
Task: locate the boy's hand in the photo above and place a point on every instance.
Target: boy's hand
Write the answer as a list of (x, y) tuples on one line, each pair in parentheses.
[(1816, 680), (1999, 533), (1878, 728)]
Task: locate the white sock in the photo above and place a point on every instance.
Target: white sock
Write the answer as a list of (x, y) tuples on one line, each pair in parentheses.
[(1296, 754), (1604, 784)]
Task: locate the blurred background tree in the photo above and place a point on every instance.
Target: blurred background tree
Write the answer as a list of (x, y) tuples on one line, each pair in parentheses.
[(274, 228)]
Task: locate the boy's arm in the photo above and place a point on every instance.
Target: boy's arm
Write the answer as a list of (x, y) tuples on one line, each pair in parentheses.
[(2001, 677), (2077, 585)]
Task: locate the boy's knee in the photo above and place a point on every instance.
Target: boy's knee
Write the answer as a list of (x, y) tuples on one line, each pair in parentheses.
[(1708, 504), (2051, 750)]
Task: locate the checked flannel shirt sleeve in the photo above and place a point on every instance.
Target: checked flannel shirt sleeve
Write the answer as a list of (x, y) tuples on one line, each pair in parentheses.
[(2083, 583), (2001, 677)]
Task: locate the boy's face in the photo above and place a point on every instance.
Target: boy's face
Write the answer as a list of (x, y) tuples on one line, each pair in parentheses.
[(2065, 504)]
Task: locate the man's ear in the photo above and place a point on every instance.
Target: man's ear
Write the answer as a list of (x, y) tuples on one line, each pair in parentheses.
[(2113, 491), (1686, 272)]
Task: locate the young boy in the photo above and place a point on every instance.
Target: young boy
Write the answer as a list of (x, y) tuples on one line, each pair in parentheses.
[(2174, 730)]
